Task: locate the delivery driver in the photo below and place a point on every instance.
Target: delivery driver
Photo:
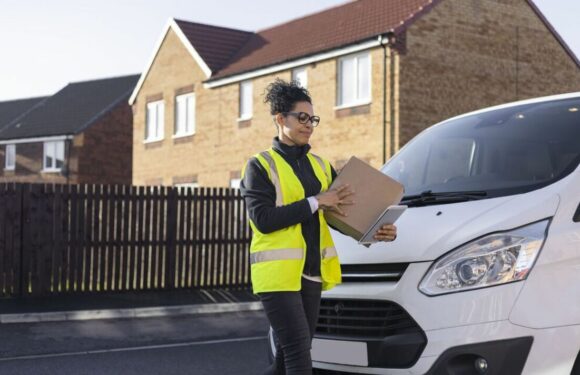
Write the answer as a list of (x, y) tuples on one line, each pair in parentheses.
[(292, 254)]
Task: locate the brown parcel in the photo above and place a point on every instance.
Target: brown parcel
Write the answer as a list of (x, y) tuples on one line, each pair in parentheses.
[(373, 193)]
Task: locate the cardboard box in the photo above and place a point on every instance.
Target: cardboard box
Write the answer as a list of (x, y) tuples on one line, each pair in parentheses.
[(373, 193)]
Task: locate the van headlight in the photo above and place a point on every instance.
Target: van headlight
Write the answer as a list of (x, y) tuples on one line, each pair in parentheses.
[(495, 259)]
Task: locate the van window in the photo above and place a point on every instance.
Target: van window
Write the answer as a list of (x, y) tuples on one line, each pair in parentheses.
[(504, 151)]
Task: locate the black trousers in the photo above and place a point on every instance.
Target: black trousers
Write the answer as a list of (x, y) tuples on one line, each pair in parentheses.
[(293, 317)]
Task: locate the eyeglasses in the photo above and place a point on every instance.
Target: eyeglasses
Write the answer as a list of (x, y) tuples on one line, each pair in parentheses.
[(304, 117)]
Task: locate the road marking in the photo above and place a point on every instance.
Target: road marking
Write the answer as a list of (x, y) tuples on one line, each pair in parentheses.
[(135, 348)]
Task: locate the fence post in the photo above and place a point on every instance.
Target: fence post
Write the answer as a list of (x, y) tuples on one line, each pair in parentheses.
[(22, 203), (171, 234)]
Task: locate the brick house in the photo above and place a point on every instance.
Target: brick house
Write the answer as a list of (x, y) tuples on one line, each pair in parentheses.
[(81, 134), (379, 72)]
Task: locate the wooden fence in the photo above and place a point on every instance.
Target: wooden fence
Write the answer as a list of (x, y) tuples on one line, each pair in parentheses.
[(62, 239)]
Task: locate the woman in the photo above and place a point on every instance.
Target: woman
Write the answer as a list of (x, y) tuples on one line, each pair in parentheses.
[(292, 254)]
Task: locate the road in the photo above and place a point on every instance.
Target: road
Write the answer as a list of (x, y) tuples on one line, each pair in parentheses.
[(230, 343)]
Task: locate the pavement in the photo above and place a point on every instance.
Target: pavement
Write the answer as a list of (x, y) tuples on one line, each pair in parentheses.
[(126, 305)]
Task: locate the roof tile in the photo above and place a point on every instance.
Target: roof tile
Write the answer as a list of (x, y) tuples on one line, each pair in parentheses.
[(346, 24)]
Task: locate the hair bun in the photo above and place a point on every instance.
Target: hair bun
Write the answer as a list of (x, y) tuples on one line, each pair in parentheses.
[(283, 95)]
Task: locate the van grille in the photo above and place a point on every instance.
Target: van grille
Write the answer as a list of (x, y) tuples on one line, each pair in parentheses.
[(353, 318), (373, 272)]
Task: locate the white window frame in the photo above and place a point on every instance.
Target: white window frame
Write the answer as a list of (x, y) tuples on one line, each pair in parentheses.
[(182, 187), (157, 109), (235, 183), (359, 99), (246, 100), (10, 156), (184, 116), (55, 151), (300, 75)]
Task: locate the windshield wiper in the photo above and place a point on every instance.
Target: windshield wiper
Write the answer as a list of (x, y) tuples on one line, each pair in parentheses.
[(428, 197)]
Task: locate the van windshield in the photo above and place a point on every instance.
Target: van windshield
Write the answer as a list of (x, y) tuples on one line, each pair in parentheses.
[(501, 152)]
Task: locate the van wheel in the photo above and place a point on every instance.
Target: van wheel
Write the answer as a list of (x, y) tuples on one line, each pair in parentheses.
[(576, 368)]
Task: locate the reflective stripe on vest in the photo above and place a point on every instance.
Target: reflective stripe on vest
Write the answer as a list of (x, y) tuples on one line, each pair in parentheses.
[(276, 254), (323, 166), (287, 254), (274, 177), (328, 252)]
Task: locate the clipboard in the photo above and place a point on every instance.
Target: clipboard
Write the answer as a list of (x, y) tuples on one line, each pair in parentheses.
[(389, 216), (374, 192)]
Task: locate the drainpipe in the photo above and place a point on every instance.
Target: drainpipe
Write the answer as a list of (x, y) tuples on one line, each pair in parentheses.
[(387, 41), (67, 152)]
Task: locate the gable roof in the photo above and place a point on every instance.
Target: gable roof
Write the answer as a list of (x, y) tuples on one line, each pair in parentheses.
[(229, 55), (223, 52), (214, 46), (10, 110), (72, 109), (343, 25)]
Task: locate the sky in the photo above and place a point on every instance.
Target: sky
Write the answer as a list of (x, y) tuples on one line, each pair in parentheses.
[(46, 44)]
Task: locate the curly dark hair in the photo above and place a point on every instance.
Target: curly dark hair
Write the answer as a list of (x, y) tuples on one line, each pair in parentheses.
[(283, 96)]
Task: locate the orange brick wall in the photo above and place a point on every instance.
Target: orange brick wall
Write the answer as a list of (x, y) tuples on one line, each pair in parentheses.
[(462, 55)]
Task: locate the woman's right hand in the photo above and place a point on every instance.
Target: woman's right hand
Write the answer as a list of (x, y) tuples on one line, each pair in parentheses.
[(331, 200)]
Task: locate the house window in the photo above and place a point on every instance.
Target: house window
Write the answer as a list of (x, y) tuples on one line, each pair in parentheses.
[(10, 157), (246, 100), (155, 116), (184, 115), (184, 187), (53, 156), (354, 80), (300, 75), (235, 183)]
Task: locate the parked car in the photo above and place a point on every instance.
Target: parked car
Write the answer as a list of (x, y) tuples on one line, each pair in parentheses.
[(484, 277)]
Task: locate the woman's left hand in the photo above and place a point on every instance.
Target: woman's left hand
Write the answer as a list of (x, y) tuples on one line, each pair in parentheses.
[(387, 233)]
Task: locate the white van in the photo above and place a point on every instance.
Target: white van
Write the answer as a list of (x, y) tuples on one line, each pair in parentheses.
[(484, 276)]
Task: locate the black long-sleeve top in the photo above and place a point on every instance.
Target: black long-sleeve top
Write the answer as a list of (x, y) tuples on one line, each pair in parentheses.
[(260, 197)]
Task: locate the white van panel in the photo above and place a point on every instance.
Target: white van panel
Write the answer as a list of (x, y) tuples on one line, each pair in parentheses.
[(551, 296), (426, 233)]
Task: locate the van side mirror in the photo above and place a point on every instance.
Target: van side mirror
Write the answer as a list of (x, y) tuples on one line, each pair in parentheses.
[(576, 217)]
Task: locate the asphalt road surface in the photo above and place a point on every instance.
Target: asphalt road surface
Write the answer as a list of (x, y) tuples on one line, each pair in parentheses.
[(229, 343)]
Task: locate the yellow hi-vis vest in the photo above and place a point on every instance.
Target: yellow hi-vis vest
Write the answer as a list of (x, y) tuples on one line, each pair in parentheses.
[(277, 259)]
